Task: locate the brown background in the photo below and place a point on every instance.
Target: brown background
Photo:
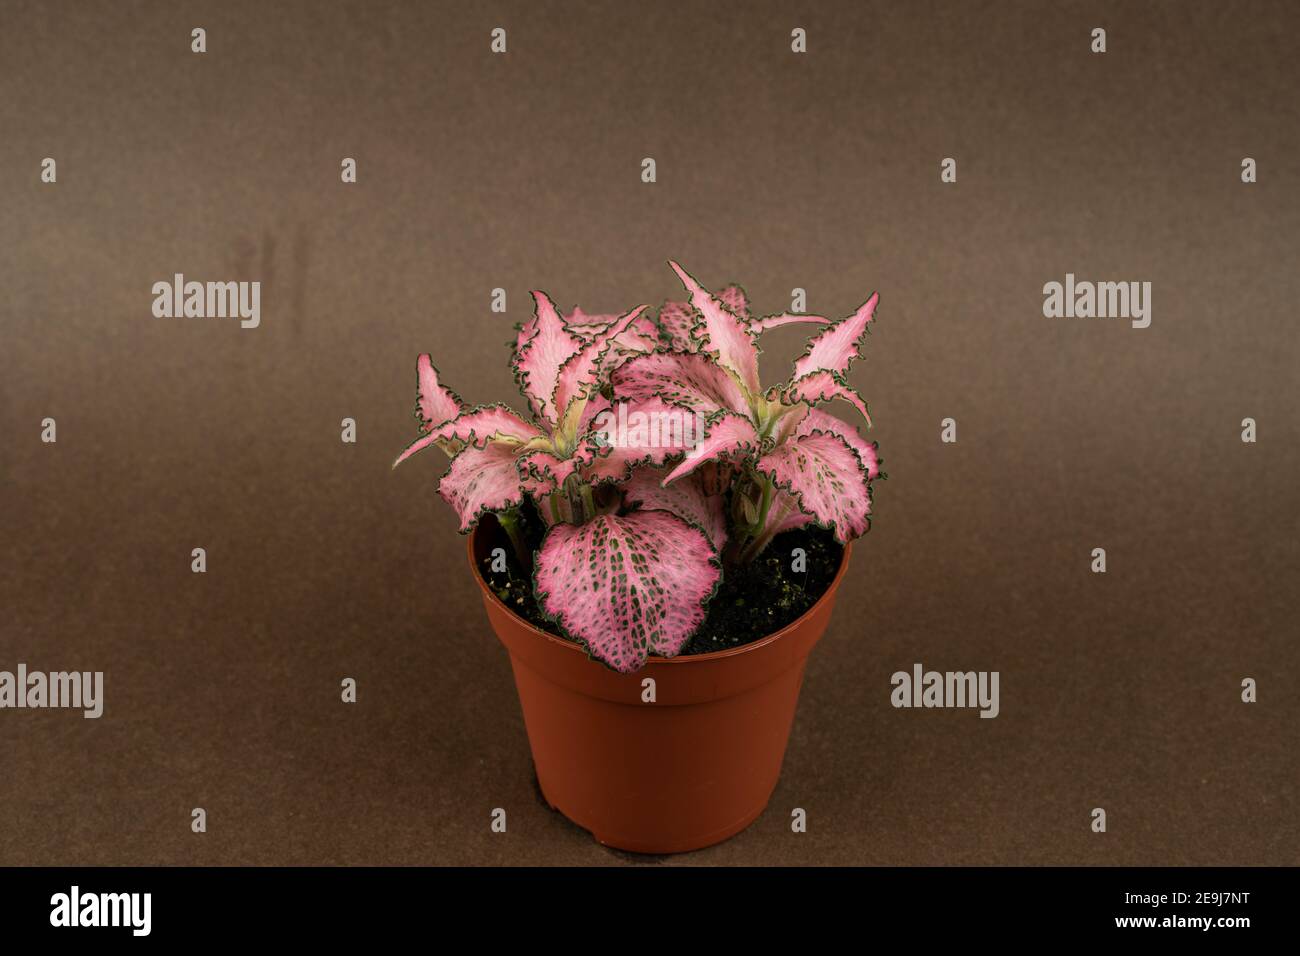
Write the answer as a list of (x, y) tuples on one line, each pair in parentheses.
[(521, 171)]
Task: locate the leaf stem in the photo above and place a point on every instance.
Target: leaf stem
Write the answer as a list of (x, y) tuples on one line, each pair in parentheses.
[(760, 536), (509, 521)]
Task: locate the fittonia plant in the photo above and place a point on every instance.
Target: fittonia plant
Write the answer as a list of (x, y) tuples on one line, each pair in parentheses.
[(640, 530)]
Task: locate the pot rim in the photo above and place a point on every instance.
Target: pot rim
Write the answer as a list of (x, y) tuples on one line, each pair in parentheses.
[(680, 660)]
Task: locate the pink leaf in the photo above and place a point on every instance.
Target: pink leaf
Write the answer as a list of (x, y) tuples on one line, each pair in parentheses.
[(544, 345), (435, 403), (639, 433), (420, 444), (579, 374), (486, 423), (835, 348), (722, 332), (823, 386), (728, 435), (789, 422), (783, 515), (476, 426), (817, 420), (644, 328), (481, 480), (828, 478), (641, 336), (627, 586), (734, 298), (677, 320), (585, 332), (543, 472), (596, 404), (587, 326), (686, 499), (785, 318), (690, 379)]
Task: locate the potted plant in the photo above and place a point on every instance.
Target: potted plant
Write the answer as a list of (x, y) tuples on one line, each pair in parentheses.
[(658, 542)]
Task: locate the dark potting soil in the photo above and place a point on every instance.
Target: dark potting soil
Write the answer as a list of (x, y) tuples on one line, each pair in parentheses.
[(751, 602)]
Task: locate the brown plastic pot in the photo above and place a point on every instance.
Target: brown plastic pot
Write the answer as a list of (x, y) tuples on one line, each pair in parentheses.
[(689, 770)]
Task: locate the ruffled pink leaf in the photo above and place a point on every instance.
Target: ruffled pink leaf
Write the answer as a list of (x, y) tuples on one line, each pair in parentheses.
[(435, 403), (734, 298), (486, 423), (835, 348), (585, 332), (580, 373), (817, 420), (586, 326), (627, 586), (542, 471), (691, 379), (686, 498), (785, 318), (596, 405), (828, 478), (420, 444), (632, 433), (641, 336), (793, 415), (477, 427), (729, 435), (822, 386), (642, 332), (722, 332), (481, 480), (676, 322), (544, 345), (784, 514)]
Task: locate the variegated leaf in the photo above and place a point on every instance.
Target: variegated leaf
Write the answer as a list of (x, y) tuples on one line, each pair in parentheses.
[(627, 586), (435, 403), (828, 478), (822, 386), (580, 373), (632, 433), (784, 514), (722, 332), (785, 318), (835, 347), (481, 480), (543, 347), (729, 435), (817, 420), (734, 298), (477, 427), (686, 498), (543, 471), (676, 323), (691, 379)]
